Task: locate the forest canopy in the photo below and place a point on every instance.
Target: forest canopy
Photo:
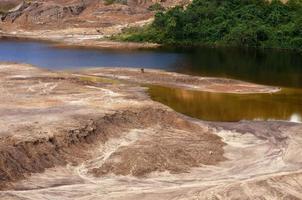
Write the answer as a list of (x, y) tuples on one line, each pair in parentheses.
[(250, 23)]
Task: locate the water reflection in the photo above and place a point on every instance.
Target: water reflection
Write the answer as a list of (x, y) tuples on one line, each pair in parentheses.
[(284, 105), (51, 57), (295, 118), (269, 67)]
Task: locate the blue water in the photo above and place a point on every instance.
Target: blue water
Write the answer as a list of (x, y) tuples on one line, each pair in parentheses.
[(45, 55), (270, 67)]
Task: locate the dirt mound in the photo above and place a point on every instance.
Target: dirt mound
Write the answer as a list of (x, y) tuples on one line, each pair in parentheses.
[(40, 13), (177, 151), (68, 118), (73, 136), (67, 14)]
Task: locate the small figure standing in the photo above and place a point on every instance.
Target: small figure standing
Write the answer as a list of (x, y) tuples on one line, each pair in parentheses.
[(142, 70)]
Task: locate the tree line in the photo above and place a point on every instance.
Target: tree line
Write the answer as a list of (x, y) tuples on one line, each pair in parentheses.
[(249, 23)]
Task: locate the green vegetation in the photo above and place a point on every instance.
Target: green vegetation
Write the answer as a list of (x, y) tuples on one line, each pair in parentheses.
[(109, 2), (250, 23), (156, 7)]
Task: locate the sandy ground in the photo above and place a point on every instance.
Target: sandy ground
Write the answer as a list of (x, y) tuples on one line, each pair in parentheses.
[(172, 79), (84, 23), (79, 37), (69, 136)]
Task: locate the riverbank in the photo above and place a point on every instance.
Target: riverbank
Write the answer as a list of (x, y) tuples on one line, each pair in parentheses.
[(89, 37), (69, 135), (172, 79), (82, 38)]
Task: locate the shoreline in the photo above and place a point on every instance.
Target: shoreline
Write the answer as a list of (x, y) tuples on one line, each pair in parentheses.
[(168, 79), (98, 41), (178, 80), (79, 37), (82, 42), (66, 137)]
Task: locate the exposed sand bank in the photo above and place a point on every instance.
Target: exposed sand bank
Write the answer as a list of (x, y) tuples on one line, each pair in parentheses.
[(74, 40), (172, 79), (89, 37), (48, 117), (68, 137)]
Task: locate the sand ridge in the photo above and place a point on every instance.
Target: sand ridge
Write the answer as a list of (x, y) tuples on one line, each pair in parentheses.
[(69, 136)]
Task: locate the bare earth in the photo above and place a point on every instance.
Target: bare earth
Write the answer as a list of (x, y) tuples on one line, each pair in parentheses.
[(78, 22), (84, 23), (73, 136), (172, 79), (95, 134)]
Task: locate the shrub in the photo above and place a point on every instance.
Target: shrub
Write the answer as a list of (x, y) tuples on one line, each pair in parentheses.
[(251, 23), (156, 7), (109, 2)]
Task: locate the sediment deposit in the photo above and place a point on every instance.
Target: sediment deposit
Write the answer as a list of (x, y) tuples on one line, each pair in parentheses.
[(172, 79), (78, 22), (83, 136)]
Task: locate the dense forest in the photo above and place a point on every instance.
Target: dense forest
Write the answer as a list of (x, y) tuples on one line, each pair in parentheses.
[(251, 23)]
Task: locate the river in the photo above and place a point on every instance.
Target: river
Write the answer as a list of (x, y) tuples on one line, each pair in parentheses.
[(270, 67)]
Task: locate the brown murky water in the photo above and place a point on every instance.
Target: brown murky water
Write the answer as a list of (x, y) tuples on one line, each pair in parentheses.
[(284, 105)]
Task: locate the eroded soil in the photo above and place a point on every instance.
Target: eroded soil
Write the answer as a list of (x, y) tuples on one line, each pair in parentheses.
[(73, 136), (78, 22), (172, 79)]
